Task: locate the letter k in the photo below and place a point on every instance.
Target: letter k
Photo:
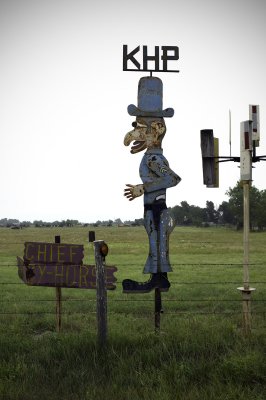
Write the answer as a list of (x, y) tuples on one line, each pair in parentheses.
[(130, 57)]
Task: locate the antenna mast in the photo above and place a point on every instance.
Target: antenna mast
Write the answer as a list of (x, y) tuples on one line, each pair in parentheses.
[(230, 131)]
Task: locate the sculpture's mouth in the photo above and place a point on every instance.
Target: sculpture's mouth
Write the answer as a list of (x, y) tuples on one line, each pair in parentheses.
[(138, 145)]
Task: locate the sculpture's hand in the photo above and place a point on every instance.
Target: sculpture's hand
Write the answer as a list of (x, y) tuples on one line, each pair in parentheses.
[(133, 191)]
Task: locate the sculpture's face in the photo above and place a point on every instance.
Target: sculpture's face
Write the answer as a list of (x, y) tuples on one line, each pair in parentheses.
[(147, 133)]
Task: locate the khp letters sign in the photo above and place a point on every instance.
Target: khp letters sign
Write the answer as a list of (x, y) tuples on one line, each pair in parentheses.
[(156, 60)]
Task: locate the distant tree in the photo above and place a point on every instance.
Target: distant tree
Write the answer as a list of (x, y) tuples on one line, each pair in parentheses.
[(177, 215), (12, 222), (118, 221), (262, 210), (47, 224), (257, 206), (186, 214), (38, 224), (55, 223), (139, 221), (226, 215), (3, 222), (196, 215), (71, 222), (211, 215), (25, 224)]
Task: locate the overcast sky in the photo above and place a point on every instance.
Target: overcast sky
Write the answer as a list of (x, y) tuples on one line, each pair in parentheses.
[(64, 98)]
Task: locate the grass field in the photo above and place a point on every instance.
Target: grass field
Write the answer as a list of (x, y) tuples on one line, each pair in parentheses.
[(200, 353)]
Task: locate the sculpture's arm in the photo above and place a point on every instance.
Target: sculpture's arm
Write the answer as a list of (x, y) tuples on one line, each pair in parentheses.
[(163, 177)]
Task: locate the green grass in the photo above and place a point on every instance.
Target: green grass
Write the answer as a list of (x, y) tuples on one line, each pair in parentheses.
[(200, 353)]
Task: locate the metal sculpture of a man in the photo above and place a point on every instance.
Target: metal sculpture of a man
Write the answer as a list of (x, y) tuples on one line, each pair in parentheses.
[(156, 175)]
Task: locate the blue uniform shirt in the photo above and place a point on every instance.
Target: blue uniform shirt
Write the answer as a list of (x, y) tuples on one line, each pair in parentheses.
[(156, 175)]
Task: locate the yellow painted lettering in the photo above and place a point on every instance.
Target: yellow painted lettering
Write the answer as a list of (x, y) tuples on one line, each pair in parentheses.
[(72, 252), (41, 253), (71, 278), (42, 269), (51, 253), (60, 253), (59, 273), (28, 256), (93, 278), (83, 274)]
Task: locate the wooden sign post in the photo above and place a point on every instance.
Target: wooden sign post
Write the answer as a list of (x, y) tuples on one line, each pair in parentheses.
[(100, 251), (58, 293)]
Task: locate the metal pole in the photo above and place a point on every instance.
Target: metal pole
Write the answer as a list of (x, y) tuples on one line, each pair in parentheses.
[(246, 224), (58, 294), (101, 293), (246, 290), (157, 309)]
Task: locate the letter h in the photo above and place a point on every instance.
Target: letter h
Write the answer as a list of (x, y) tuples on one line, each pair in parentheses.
[(154, 58)]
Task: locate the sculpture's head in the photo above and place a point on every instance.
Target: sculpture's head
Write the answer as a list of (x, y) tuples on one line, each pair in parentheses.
[(149, 127), (148, 133)]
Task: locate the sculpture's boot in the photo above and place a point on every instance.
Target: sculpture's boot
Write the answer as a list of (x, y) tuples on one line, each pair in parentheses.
[(156, 281)]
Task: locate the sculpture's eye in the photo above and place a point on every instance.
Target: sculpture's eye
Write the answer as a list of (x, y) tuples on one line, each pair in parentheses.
[(140, 125)]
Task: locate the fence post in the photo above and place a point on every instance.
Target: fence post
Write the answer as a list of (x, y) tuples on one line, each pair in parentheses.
[(58, 294), (91, 236), (101, 292)]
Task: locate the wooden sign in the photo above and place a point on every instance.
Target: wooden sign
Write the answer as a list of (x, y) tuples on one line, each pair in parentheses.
[(46, 253), (59, 265)]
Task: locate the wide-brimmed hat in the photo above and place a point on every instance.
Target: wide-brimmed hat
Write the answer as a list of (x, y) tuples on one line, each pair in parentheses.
[(150, 99)]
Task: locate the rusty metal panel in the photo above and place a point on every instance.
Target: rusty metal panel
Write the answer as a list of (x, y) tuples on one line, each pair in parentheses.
[(246, 151), (210, 154), (254, 116)]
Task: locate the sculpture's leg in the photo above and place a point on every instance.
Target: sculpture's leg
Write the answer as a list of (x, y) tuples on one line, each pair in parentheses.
[(157, 263), (165, 228), (151, 265)]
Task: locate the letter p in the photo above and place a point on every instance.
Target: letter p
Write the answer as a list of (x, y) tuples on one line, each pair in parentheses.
[(165, 57)]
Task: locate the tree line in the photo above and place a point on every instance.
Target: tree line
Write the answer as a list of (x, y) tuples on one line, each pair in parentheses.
[(227, 213)]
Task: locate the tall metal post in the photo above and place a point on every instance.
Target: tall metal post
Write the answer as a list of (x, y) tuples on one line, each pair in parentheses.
[(246, 289), (246, 223), (101, 292), (246, 148), (157, 309), (249, 140)]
